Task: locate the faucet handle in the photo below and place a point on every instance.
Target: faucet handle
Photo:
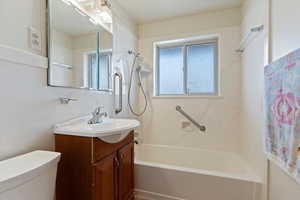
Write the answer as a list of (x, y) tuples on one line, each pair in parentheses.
[(98, 110)]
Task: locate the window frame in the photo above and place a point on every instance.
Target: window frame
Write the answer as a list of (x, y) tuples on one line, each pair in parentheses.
[(184, 44)]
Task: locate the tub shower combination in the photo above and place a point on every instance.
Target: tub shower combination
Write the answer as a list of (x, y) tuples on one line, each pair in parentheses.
[(179, 173), (167, 173)]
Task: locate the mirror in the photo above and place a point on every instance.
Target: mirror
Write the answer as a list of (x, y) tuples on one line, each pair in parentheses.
[(80, 51)]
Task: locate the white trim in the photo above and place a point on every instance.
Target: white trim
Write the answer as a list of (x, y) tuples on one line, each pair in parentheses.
[(248, 177), (145, 195), (188, 97), (189, 40), (25, 58)]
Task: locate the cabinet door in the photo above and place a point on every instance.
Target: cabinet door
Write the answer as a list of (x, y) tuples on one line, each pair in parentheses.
[(105, 179), (126, 172)]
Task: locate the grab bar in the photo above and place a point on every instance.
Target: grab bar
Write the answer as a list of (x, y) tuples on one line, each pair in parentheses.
[(180, 110), (118, 110)]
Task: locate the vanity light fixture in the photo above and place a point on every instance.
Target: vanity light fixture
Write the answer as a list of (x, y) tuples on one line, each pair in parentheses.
[(106, 3), (100, 10), (99, 5), (103, 10)]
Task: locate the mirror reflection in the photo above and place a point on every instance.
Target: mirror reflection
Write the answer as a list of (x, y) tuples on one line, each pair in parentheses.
[(80, 51)]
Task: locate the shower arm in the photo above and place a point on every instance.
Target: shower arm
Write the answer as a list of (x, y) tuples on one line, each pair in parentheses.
[(181, 111)]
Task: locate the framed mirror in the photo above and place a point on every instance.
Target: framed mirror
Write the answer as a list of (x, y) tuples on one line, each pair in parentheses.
[(79, 50)]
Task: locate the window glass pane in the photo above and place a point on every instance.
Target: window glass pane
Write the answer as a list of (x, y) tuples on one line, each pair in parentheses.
[(201, 68), (104, 71), (92, 63), (170, 71)]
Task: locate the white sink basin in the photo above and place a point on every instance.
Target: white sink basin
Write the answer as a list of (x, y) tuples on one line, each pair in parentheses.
[(109, 127)]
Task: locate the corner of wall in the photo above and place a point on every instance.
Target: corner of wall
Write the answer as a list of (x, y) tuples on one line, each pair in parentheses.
[(121, 17)]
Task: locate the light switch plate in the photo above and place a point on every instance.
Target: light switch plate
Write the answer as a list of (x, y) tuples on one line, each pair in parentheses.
[(35, 39)]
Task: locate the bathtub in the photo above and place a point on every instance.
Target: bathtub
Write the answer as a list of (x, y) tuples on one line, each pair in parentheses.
[(172, 173)]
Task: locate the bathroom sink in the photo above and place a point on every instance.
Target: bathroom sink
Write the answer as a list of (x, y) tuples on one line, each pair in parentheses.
[(110, 130)]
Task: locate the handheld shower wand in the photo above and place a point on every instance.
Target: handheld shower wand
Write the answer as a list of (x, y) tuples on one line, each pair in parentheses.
[(140, 84)]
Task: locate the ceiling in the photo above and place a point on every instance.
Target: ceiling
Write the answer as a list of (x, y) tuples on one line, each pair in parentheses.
[(143, 11)]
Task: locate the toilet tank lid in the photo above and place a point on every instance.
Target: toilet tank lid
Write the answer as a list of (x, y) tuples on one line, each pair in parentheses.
[(20, 169)]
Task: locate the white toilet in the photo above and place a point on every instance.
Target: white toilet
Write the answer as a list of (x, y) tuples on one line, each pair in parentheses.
[(29, 177)]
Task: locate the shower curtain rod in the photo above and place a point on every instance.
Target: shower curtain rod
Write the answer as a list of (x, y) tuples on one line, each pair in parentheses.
[(256, 29)]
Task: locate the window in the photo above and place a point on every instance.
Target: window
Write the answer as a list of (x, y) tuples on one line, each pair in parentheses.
[(105, 71), (93, 71), (187, 69), (99, 75)]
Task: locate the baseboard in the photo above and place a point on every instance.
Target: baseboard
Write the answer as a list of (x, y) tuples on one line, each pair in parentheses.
[(145, 195), (22, 57)]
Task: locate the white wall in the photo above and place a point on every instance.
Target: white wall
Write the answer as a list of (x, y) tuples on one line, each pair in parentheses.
[(28, 107), (162, 124), (254, 14), (81, 45), (285, 27), (72, 50), (63, 54), (16, 18), (285, 38)]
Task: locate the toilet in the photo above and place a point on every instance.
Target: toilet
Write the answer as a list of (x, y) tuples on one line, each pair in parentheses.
[(30, 176)]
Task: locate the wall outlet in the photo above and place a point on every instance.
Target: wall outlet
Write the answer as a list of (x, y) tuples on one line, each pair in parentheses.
[(35, 39)]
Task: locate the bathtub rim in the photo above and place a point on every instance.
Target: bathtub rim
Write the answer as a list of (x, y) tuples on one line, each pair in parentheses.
[(251, 178)]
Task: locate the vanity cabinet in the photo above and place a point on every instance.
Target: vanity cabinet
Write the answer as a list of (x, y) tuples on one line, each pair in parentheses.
[(91, 169), (125, 171), (105, 179)]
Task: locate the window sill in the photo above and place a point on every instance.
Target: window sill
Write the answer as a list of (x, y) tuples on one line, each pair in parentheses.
[(188, 97)]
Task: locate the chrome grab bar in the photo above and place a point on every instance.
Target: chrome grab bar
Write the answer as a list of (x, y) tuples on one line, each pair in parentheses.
[(118, 110), (180, 110)]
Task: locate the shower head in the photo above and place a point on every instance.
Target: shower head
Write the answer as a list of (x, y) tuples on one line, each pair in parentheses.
[(131, 52), (137, 55)]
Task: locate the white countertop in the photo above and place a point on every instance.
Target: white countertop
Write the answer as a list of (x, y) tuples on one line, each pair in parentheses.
[(109, 126)]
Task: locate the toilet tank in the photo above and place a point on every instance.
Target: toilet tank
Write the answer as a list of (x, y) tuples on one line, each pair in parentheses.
[(30, 176)]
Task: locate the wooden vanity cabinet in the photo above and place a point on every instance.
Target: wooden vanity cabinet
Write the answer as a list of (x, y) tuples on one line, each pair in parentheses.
[(91, 169), (126, 172)]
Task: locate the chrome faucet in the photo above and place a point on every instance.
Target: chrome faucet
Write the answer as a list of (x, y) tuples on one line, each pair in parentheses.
[(97, 116)]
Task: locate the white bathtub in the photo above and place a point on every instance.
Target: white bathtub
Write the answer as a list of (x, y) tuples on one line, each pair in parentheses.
[(172, 173)]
